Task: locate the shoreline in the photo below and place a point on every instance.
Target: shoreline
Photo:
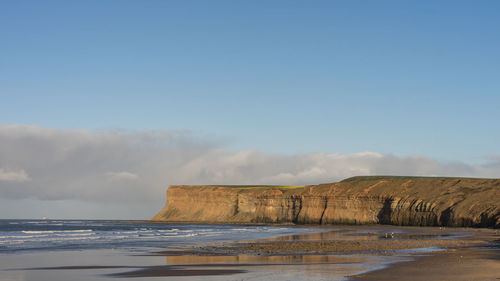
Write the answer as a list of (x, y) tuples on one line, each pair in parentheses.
[(415, 259), (470, 262), (398, 253), (450, 265), (334, 252)]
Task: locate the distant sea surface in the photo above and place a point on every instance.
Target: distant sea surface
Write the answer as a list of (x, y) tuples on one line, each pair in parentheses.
[(50, 235)]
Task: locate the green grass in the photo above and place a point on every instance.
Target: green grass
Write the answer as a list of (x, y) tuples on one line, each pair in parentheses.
[(260, 186), (369, 178)]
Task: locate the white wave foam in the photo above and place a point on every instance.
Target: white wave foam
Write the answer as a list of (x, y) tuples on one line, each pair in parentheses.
[(21, 236), (69, 238), (55, 231), (187, 235), (244, 229), (74, 234), (22, 241)]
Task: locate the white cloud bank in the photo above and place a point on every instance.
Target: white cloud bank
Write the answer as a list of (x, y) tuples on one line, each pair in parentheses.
[(136, 167), (14, 176)]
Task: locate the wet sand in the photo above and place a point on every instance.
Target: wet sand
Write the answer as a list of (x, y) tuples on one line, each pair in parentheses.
[(169, 271), (337, 253), (456, 264), (420, 253), (341, 246), (452, 265), (358, 240)]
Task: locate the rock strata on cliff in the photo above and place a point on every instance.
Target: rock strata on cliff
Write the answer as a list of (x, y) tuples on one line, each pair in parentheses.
[(422, 201)]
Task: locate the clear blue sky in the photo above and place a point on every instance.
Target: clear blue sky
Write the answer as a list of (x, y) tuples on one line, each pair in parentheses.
[(402, 77)]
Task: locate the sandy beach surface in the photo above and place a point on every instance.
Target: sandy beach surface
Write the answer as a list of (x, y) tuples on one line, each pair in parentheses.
[(457, 264), (479, 260), (335, 253), (421, 253)]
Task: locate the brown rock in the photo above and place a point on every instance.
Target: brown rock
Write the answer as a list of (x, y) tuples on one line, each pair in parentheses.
[(423, 201)]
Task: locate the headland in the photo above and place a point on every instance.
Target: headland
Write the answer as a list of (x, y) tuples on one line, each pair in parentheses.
[(394, 200)]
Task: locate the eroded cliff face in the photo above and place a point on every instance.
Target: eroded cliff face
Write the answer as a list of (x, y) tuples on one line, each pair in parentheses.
[(359, 200)]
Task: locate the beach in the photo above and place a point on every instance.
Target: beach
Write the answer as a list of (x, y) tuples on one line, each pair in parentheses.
[(346, 252), (457, 264), (412, 253)]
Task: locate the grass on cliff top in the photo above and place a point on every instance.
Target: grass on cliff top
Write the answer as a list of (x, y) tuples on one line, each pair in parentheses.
[(368, 178), (260, 186)]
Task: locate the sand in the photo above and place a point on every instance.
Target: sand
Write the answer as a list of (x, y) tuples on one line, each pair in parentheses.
[(337, 253), (454, 265), (463, 254), (468, 263)]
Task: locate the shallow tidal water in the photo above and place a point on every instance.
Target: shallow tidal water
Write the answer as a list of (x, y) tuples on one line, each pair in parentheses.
[(101, 250), (54, 235), (82, 265)]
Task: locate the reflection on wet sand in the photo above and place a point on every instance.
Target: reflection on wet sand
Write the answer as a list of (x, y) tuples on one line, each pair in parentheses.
[(255, 259), (327, 255), (341, 252), (350, 240), (376, 233)]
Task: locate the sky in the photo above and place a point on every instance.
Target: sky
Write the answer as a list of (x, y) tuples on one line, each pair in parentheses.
[(103, 104)]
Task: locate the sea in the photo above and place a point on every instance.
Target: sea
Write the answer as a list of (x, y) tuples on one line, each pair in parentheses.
[(56, 235), (102, 250)]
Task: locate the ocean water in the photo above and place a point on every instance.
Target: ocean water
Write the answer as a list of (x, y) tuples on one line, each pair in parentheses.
[(50, 235), (80, 250)]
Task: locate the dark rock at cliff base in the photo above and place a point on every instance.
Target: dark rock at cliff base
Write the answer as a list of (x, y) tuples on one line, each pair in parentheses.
[(419, 201)]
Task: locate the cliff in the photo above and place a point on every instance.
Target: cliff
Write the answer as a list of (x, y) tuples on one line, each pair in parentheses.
[(423, 201)]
